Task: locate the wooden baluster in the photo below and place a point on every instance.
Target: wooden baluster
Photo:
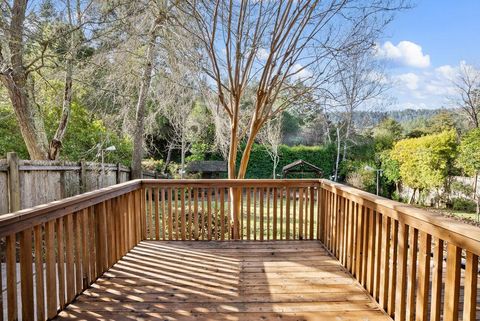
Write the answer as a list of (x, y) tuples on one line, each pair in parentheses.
[(216, 215), (294, 216), (425, 241), (241, 213), (103, 237), (85, 253), (92, 243), (143, 212), (170, 213), (26, 274), (282, 193), (118, 228), (78, 252), (320, 214), (401, 297), (189, 211), (195, 213), (202, 217), (287, 213), (261, 194), (334, 224), (312, 215), (275, 222), (182, 213), (345, 231), (378, 254), (300, 214), (222, 213), (371, 251), (148, 221), (151, 214), (114, 228), (268, 212), (351, 227), (51, 277), (306, 214), (69, 251), (470, 287), (175, 215), (452, 283), (393, 270), (412, 274), (255, 213), (39, 281), (164, 214), (209, 213), (249, 191), (11, 261), (157, 213), (365, 250), (359, 243), (61, 261)]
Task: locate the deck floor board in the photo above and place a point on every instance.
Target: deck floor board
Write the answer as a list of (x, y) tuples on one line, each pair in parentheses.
[(168, 280)]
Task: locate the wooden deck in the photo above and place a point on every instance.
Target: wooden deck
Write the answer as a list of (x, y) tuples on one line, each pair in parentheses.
[(168, 280)]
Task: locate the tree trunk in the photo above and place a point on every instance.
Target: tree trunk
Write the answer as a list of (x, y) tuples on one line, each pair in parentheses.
[(56, 142), (412, 198), (182, 162), (337, 162), (142, 100), (15, 79)]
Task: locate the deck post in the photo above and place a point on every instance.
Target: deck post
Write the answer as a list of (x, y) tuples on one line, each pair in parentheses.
[(13, 182)]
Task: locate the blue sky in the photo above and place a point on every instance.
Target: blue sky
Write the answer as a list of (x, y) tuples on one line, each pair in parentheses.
[(423, 48)]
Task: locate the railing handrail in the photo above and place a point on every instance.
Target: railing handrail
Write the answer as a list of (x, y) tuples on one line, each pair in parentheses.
[(458, 233), (232, 182), (17, 221)]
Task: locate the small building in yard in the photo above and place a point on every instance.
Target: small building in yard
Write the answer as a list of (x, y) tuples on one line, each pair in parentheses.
[(207, 169)]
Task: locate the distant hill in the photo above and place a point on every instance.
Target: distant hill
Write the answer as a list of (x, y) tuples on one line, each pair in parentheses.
[(371, 118)]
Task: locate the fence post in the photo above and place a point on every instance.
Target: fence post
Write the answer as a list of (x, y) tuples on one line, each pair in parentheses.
[(83, 177), (13, 182), (119, 171)]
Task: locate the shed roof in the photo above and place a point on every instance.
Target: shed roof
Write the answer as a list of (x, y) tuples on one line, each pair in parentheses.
[(298, 163)]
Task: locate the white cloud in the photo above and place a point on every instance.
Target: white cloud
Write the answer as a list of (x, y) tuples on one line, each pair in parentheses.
[(409, 80), (300, 73), (431, 88), (263, 54), (405, 53)]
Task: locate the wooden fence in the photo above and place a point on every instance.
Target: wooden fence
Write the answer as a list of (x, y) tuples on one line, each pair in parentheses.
[(27, 183)]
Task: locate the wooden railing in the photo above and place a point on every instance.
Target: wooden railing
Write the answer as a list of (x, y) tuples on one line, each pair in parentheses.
[(416, 265), (64, 246), (201, 209), (400, 253)]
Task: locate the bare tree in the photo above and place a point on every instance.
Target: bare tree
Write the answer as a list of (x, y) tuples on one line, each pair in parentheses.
[(360, 81), (19, 68), (271, 137), (467, 84), (159, 15), (274, 46)]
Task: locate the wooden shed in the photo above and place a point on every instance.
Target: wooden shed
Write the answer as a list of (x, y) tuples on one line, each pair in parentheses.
[(301, 167), (208, 169)]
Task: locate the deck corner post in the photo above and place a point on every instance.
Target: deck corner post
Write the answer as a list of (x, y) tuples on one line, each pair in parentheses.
[(13, 182)]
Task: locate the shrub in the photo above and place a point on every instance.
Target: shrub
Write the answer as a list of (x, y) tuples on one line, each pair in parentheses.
[(463, 204)]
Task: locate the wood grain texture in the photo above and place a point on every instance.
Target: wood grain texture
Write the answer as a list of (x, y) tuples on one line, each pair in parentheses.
[(225, 281)]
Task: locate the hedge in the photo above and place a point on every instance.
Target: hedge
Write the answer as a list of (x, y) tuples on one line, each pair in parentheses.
[(261, 165)]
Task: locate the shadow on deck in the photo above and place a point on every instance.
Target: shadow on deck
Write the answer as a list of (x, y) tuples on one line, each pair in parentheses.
[(243, 280)]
